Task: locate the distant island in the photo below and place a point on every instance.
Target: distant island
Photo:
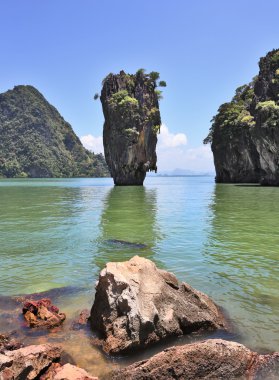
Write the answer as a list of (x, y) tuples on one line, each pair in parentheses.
[(37, 142), (178, 172), (244, 135)]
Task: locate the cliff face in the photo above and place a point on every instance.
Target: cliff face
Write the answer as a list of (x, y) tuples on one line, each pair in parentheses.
[(37, 142), (132, 120), (244, 135)]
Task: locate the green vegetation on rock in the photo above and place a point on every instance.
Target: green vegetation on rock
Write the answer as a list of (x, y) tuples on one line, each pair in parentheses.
[(37, 142), (267, 105), (132, 121), (156, 128), (122, 100), (235, 113), (244, 134)]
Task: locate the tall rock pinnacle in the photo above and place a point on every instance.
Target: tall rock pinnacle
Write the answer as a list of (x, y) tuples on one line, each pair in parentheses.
[(132, 121)]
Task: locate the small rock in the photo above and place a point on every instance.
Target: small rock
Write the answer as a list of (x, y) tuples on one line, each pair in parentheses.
[(137, 304), (8, 343), (42, 314), (211, 359), (51, 372), (66, 372), (128, 244), (82, 320)]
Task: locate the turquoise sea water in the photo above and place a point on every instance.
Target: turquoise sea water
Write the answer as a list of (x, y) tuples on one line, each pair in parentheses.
[(222, 239)]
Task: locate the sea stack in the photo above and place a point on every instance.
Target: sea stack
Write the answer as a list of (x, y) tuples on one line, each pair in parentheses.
[(244, 135), (132, 120)]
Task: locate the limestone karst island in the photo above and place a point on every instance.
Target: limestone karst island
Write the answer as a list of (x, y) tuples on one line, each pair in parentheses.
[(139, 190), (132, 120), (244, 133)]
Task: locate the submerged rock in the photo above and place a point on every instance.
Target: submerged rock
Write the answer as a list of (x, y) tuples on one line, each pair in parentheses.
[(210, 359), (244, 135), (42, 314), (54, 294), (137, 304), (132, 120), (82, 320), (66, 372), (127, 244), (28, 362)]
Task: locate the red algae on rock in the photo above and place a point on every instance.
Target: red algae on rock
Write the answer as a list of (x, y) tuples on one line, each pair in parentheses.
[(42, 314)]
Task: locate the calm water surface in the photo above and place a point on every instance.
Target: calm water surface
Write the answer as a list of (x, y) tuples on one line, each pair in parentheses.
[(222, 239)]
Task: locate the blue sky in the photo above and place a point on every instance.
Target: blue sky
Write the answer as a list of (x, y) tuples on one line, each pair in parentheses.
[(203, 50)]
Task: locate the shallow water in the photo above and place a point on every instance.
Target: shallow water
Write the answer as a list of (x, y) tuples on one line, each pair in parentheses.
[(222, 239)]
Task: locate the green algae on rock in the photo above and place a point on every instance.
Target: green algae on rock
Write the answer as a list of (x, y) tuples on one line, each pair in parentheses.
[(244, 135), (37, 142), (132, 120)]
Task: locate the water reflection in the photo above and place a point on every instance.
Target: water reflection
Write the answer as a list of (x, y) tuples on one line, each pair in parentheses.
[(242, 256), (128, 224)]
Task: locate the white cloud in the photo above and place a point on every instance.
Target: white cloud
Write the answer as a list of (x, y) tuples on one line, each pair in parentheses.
[(95, 144), (166, 139), (202, 152), (198, 159), (173, 153)]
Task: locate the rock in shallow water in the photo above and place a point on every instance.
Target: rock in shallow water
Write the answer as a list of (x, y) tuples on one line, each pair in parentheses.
[(245, 132), (210, 359), (132, 120), (8, 343), (128, 244), (66, 372), (42, 314), (137, 304), (81, 321)]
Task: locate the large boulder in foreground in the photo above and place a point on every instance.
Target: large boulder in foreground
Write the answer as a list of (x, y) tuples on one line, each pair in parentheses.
[(137, 304), (132, 121), (210, 359), (28, 362)]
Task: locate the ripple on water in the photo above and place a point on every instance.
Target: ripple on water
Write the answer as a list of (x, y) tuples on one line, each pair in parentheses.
[(222, 239)]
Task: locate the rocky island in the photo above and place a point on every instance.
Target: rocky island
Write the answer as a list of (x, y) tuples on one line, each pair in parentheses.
[(132, 120), (37, 142), (244, 135)]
